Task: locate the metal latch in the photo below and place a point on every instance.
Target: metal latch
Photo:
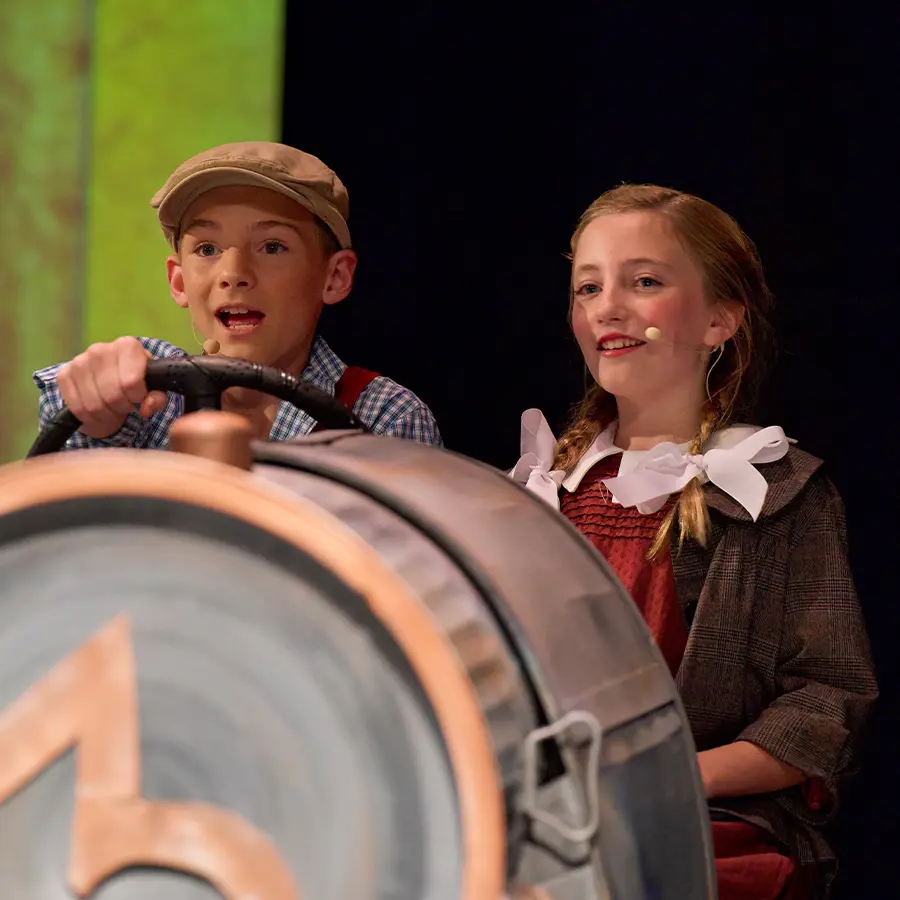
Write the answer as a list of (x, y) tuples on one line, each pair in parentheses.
[(586, 832)]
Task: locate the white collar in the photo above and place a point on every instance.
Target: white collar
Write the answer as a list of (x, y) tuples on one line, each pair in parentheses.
[(648, 478)]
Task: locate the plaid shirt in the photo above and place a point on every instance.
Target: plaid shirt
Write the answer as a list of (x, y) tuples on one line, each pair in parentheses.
[(384, 406)]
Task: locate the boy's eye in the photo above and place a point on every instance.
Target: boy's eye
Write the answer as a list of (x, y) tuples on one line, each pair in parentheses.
[(272, 247), (205, 249)]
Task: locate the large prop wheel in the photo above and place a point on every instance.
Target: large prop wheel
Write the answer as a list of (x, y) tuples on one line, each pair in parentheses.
[(348, 667)]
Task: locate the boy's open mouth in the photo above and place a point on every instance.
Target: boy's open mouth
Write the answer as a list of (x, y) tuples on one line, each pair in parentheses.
[(240, 318)]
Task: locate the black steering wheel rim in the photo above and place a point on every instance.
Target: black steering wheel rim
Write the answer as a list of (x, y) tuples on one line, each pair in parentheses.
[(201, 381)]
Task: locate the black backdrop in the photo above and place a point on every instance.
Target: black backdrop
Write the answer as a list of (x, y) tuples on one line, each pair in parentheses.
[(471, 140)]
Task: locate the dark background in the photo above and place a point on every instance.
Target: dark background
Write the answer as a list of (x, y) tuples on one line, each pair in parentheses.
[(471, 140)]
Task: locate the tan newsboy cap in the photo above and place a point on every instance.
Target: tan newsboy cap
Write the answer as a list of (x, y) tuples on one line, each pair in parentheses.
[(298, 175)]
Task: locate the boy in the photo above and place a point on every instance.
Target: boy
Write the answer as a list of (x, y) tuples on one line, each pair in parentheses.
[(261, 244)]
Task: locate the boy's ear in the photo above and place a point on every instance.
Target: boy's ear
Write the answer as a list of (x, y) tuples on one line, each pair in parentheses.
[(176, 280), (339, 280)]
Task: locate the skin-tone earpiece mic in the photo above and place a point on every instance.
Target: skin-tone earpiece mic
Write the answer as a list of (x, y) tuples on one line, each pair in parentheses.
[(211, 347)]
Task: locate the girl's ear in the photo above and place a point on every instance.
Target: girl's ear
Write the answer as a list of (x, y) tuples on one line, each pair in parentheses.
[(726, 320)]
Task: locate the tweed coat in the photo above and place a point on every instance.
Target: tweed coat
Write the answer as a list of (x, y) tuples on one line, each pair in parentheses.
[(777, 650)]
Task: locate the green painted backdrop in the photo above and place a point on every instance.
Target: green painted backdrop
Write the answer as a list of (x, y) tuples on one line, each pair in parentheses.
[(100, 101)]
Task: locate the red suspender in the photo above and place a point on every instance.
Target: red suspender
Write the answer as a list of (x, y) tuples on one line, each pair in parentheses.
[(350, 385)]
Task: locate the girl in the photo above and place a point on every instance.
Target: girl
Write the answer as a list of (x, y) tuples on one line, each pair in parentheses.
[(729, 539)]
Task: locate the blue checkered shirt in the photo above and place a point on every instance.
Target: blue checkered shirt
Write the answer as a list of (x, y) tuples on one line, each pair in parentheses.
[(384, 406)]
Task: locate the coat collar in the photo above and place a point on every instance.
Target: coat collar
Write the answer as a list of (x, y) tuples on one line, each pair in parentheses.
[(786, 478)]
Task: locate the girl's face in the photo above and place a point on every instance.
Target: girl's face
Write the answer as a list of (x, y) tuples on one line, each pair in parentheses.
[(630, 272)]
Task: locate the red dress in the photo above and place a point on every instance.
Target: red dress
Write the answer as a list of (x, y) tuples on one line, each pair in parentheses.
[(750, 864)]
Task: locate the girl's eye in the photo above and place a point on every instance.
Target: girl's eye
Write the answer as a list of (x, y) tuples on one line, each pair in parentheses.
[(587, 289), (274, 247), (646, 281)]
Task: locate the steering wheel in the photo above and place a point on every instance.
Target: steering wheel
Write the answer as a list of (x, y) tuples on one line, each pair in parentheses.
[(201, 380)]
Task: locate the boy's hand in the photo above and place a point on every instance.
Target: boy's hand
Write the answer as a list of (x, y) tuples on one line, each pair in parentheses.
[(102, 385)]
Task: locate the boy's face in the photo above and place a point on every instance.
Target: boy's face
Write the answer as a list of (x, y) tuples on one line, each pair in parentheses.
[(251, 269)]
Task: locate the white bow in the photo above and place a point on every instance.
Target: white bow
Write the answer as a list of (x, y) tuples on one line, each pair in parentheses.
[(538, 448), (667, 468)]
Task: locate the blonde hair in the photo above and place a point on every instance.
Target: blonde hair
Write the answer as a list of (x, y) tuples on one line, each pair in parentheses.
[(731, 270)]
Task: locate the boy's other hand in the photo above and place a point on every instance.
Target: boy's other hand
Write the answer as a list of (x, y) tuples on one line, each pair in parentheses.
[(103, 385)]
